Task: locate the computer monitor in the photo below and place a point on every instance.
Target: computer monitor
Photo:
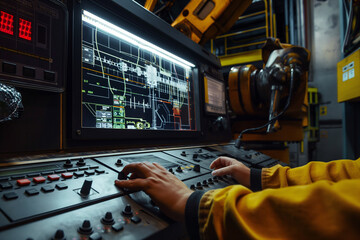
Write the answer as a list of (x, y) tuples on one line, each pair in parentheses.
[(134, 78), (131, 83)]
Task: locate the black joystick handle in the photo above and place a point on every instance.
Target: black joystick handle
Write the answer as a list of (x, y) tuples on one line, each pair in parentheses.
[(86, 187)]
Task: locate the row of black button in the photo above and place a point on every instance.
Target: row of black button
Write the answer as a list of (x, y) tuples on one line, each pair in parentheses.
[(34, 191), (207, 183), (30, 72)]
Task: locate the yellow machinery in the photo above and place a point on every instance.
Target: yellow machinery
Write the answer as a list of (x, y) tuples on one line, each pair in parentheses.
[(252, 92), (206, 19), (260, 97)]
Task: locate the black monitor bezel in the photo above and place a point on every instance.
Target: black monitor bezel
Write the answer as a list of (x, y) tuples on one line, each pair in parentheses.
[(130, 10)]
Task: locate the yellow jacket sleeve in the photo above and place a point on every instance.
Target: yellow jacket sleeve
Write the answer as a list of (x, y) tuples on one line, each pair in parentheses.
[(308, 202), (322, 210), (334, 171)]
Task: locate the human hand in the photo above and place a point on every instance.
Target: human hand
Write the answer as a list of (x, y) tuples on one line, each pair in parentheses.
[(166, 190), (229, 166)]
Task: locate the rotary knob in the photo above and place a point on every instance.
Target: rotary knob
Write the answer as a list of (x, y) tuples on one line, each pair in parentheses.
[(210, 181), (171, 170), (119, 162), (59, 235), (85, 228), (178, 169), (68, 164), (183, 153), (197, 168), (81, 162), (108, 219), (127, 210), (199, 185), (205, 183)]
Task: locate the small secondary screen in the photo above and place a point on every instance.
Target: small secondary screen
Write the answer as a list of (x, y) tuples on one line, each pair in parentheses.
[(130, 83), (214, 95)]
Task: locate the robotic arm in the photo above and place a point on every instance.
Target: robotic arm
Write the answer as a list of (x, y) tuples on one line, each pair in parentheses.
[(280, 85), (202, 20)]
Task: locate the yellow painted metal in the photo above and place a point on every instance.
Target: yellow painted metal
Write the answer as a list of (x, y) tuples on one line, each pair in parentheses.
[(348, 77), (271, 22), (251, 15), (243, 57), (150, 5), (238, 33), (313, 95), (287, 33), (281, 155), (247, 45), (274, 25), (266, 19), (253, 55), (323, 110), (205, 19)]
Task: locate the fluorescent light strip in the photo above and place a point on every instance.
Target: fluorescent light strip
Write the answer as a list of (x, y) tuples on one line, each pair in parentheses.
[(131, 38)]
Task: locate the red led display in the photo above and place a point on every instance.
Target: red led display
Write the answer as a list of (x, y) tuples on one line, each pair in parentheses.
[(24, 29), (6, 23)]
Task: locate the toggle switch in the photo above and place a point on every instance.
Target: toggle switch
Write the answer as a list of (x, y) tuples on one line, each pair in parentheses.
[(86, 187), (197, 168)]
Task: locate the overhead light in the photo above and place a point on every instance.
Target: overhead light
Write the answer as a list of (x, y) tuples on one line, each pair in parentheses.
[(133, 39)]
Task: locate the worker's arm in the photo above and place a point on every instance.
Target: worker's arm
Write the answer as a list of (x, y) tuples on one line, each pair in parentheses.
[(278, 176), (322, 210)]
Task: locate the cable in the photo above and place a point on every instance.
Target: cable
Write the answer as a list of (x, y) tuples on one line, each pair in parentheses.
[(272, 120)]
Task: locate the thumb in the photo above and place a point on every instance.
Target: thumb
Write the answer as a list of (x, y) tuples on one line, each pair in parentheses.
[(223, 171)]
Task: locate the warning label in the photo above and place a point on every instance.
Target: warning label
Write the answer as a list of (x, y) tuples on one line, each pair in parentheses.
[(348, 71)]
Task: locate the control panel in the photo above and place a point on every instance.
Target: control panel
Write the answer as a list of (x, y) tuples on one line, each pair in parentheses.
[(75, 198), (31, 35), (181, 169)]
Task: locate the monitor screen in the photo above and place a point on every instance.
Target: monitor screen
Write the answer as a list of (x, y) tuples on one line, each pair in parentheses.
[(214, 95), (131, 83)]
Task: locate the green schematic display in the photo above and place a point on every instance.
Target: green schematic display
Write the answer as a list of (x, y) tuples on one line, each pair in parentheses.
[(130, 83)]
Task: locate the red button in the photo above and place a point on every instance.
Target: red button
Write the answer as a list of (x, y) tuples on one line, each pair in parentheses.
[(23, 182), (67, 175), (54, 177), (39, 179)]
